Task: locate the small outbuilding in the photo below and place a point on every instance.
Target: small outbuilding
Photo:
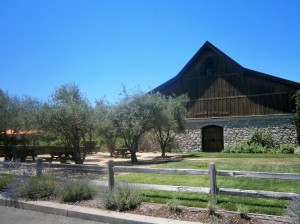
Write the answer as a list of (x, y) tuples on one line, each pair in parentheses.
[(229, 102)]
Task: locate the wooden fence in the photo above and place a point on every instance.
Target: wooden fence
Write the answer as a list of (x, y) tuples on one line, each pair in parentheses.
[(213, 190)]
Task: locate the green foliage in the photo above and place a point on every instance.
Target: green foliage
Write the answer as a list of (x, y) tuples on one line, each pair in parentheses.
[(212, 206), (68, 115), (246, 148), (104, 124), (257, 148), (121, 198), (243, 210), (263, 138), (5, 180), (170, 118), (36, 187), (77, 191), (174, 204), (135, 115), (16, 114), (297, 113), (287, 149), (260, 142)]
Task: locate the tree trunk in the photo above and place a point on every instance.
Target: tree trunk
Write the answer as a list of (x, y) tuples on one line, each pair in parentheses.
[(163, 146), (163, 152), (77, 153), (133, 156), (111, 147), (78, 159), (133, 149)]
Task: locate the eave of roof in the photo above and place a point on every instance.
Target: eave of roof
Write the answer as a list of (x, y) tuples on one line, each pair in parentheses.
[(272, 78)]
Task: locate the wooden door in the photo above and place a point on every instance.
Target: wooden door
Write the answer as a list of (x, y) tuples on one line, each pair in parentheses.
[(212, 139)]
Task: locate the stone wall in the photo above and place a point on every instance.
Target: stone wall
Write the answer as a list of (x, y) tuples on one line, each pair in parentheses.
[(239, 129)]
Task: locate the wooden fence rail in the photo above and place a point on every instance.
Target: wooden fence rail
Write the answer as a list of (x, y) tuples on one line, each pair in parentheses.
[(213, 190)]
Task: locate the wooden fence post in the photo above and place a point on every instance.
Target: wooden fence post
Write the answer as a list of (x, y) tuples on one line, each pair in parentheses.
[(39, 167), (213, 182), (111, 175)]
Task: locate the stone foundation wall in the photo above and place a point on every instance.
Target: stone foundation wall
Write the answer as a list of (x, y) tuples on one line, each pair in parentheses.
[(239, 129)]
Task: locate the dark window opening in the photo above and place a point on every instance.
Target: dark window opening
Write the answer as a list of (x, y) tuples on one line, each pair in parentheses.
[(209, 66)]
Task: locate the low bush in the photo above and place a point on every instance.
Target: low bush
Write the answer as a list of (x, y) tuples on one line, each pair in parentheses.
[(35, 187), (263, 138), (212, 207), (5, 180), (256, 148), (77, 191), (243, 210), (173, 204), (121, 198), (247, 148), (287, 149)]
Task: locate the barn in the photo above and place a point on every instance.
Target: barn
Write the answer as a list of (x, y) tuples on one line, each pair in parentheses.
[(229, 102)]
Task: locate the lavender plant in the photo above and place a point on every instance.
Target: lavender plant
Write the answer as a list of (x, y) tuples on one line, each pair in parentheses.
[(10, 190), (29, 184)]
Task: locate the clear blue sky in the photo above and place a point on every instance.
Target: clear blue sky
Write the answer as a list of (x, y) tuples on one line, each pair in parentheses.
[(101, 45)]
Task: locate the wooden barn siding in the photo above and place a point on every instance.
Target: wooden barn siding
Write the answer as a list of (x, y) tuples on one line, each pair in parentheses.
[(233, 94), (240, 106), (230, 90)]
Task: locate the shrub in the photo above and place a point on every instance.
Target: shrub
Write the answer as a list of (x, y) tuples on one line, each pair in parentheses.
[(262, 138), (293, 210), (35, 187), (77, 191), (287, 149), (173, 204), (243, 210), (246, 148), (212, 207), (176, 150), (121, 198), (5, 180), (297, 114)]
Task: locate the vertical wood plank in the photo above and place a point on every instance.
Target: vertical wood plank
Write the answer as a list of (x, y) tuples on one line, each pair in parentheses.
[(213, 181), (39, 167), (111, 175)]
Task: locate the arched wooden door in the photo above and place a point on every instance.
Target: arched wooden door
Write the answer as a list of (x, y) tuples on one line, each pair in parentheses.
[(212, 139)]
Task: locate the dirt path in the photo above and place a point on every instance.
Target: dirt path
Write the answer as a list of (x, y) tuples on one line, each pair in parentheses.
[(144, 159)]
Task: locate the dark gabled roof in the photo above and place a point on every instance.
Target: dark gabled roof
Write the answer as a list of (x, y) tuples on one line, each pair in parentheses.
[(206, 45), (271, 77)]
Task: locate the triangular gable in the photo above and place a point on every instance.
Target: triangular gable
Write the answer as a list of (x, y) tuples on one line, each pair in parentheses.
[(228, 60)]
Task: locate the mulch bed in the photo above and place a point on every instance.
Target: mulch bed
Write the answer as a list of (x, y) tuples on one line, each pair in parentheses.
[(194, 214)]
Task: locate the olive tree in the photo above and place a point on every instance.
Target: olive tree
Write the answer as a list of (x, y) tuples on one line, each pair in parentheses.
[(104, 123), (170, 120), (5, 116), (18, 115), (134, 116), (68, 114)]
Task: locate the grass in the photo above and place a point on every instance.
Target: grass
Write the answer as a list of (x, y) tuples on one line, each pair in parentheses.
[(244, 162), (287, 163)]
